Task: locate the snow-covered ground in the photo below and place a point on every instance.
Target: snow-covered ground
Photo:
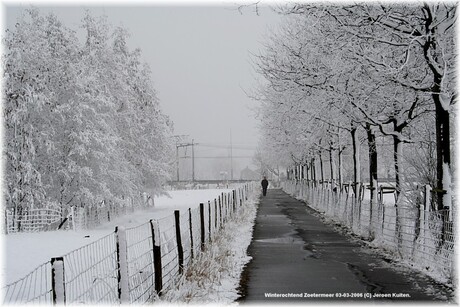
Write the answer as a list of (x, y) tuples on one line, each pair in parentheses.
[(23, 252), (214, 277)]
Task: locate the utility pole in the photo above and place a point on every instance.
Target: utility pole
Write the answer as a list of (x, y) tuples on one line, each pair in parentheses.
[(193, 158), (177, 161), (179, 143), (193, 162), (231, 156)]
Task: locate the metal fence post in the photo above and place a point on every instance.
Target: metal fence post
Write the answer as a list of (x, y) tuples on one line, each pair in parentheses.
[(58, 280), (180, 250), (157, 257)]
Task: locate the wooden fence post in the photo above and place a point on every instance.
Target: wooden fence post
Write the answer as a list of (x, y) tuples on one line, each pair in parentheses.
[(240, 193), (122, 264), (425, 207), (157, 257), (191, 231), (72, 213), (226, 206), (227, 196), (209, 219), (427, 198), (215, 214), (234, 199), (220, 211), (202, 226), (58, 280), (108, 211), (223, 207), (180, 249)]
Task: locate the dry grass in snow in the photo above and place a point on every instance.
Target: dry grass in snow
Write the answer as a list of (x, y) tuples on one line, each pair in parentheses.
[(214, 275)]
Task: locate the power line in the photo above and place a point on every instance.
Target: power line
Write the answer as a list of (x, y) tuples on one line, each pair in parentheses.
[(241, 147), (215, 157)]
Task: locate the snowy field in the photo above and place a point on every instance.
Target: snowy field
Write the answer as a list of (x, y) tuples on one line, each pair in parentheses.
[(23, 252)]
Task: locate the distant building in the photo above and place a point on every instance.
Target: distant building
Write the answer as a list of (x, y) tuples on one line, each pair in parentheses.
[(249, 174)]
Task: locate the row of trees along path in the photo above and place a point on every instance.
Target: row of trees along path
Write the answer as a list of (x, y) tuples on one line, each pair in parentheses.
[(335, 77)]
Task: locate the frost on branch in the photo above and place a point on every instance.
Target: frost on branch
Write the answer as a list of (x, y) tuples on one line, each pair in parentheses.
[(82, 120)]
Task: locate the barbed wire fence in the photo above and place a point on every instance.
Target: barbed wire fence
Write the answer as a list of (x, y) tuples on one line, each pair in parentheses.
[(133, 265), (410, 231)]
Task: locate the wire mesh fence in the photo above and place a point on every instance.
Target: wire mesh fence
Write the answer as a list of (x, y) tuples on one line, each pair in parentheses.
[(35, 287), (91, 273), (140, 263), (134, 265), (169, 251), (196, 230), (409, 230), (52, 216), (33, 220), (185, 235)]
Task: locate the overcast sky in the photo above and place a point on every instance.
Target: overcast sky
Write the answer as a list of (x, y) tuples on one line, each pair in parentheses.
[(199, 55)]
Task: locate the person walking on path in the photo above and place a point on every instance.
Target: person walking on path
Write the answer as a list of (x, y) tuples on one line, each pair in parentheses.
[(264, 186)]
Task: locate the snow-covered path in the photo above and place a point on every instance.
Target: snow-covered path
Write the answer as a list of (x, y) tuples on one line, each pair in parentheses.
[(23, 252)]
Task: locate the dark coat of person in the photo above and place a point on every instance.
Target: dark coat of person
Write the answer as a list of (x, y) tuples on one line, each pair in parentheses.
[(264, 186), (264, 183)]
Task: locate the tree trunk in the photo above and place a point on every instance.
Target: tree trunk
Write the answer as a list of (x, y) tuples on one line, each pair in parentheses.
[(331, 163), (442, 151), (397, 155), (372, 169), (443, 163), (307, 171), (372, 156), (356, 161), (321, 166), (340, 167), (313, 169)]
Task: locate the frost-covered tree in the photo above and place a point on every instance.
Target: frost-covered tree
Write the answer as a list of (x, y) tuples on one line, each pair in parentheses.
[(382, 66), (414, 46), (82, 121), (39, 80)]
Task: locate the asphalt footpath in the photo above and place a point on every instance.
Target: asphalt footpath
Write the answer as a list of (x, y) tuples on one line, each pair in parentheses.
[(298, 258)]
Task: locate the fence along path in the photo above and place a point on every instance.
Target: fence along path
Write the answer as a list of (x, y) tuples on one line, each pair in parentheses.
[(132, 265), (415, 234)]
